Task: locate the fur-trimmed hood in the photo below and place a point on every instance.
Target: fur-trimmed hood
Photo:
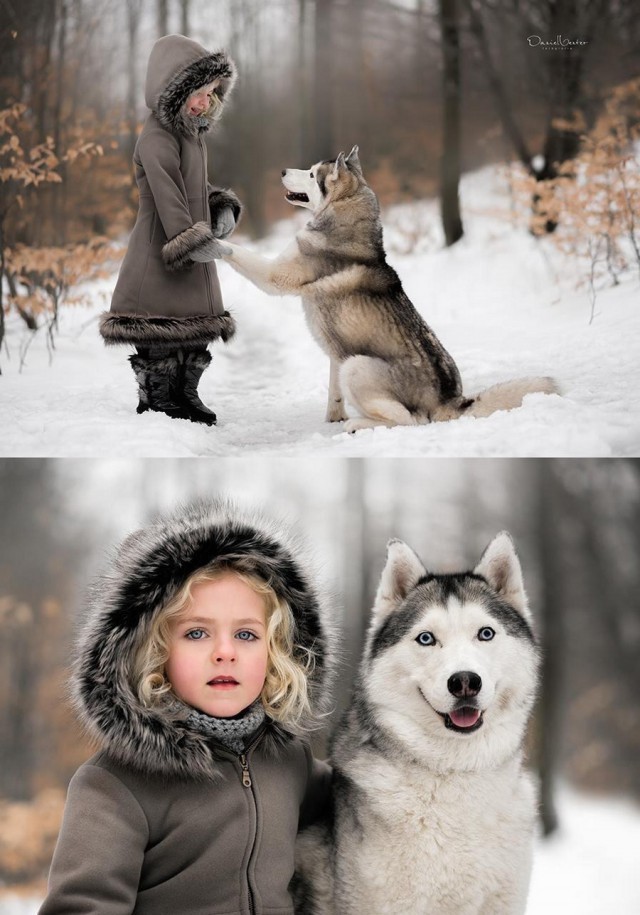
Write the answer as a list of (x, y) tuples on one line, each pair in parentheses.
[(148, 569), (177, 67)]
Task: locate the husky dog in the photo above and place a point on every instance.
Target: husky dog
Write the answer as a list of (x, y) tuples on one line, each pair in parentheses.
[(385, 360), (433, 813)]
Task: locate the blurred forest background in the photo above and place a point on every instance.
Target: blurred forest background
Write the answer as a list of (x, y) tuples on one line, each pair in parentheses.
[(427, 88), (576, 525), (315, 76)]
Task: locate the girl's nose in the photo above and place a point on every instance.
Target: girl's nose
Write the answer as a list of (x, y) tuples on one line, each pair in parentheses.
[(224, 650)]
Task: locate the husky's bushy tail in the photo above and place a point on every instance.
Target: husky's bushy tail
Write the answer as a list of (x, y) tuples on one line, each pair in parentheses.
[(504, 396), (509, 394)]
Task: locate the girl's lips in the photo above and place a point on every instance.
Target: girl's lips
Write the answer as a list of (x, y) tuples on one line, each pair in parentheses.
[(223, 682)]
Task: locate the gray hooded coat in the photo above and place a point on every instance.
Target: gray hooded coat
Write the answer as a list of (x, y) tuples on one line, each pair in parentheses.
[(164, 819), (162, 296)]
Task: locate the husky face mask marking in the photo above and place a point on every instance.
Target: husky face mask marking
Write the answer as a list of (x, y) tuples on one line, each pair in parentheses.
[(329, 178), (451, 656)]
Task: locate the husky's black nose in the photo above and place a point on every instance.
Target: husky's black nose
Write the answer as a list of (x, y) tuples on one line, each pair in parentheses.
[(464, 683), (284, 172)]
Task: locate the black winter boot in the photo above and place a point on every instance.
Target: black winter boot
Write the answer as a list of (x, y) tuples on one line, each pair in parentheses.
[(168, 382), (195, 362), (159, 384)]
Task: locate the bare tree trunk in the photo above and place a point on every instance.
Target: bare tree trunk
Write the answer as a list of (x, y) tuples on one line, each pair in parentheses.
[(2, 267), (323, 82), (305, 154), (552, 604), (498, 91), (41, 77), (184, 16), (163, 18), (134, 9), (20, 671), (251, 104), (451, 89), (353, 574), (564, 132), (358, 99), (58, 196), (564, 80)]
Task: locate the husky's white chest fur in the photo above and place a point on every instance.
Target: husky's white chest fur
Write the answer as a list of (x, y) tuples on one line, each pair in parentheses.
[(452, 844)]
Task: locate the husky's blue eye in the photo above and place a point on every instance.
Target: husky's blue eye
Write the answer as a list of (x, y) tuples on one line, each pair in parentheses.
[(486, 634), (426, 638)]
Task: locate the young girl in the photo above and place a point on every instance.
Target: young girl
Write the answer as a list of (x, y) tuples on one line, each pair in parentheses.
[(167, 300), (203, 662)]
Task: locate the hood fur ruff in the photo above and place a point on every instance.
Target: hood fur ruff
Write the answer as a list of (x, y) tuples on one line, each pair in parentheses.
[(177, 67), (149, 568)]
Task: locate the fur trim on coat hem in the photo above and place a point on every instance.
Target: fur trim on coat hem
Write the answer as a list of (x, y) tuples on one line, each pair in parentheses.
[(144, 330), (175, 253)]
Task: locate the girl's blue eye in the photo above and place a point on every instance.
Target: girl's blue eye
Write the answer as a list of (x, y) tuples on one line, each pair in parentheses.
[(196, 634), (486, 634), (426, 638), (245, 636)]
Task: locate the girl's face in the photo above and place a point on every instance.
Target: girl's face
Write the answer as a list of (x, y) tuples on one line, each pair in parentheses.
[(218, 649), (200, 100)]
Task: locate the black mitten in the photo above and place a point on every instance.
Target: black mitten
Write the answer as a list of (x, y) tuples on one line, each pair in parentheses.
[(225, 210)]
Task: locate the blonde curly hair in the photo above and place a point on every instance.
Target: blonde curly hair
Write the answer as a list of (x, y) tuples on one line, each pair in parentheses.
[(285, 694)]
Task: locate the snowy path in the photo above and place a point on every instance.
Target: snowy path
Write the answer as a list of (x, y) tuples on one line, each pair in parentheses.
[(492, 300)]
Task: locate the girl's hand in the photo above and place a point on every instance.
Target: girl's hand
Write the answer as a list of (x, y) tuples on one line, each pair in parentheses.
[(224, 222), (225, 210)]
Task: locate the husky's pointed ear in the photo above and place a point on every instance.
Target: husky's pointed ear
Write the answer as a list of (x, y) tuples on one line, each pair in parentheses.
[(340, 163), (401, 573), (353, 160), (501, 568)]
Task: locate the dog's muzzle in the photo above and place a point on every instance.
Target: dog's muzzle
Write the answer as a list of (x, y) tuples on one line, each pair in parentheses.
[(293, 197), (465, 718)]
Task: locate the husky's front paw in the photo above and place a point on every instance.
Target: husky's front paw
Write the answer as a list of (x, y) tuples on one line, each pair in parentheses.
[(211, 250), (336, 413), (361, 422)]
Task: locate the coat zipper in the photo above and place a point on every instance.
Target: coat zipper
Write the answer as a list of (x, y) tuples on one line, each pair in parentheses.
[(246, 777), (206, 197), (247, 783)]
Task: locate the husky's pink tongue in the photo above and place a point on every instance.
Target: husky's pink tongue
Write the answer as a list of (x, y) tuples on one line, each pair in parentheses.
[(465, 717)]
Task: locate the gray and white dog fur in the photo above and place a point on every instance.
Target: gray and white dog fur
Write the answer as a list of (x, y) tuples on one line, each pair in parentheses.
[(384, 359), (432, 810)]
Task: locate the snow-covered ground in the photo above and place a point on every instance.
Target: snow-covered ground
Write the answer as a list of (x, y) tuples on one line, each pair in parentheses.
[(495, 299), (589, 868)]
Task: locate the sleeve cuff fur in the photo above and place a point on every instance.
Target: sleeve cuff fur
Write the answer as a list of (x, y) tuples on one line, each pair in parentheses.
[(219, 198), (176, 253)]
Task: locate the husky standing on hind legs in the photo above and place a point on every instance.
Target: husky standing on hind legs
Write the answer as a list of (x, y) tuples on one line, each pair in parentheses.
[(385, 360), (433, 813)]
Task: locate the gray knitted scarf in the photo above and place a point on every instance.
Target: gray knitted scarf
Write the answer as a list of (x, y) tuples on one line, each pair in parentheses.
[(232, 733)]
